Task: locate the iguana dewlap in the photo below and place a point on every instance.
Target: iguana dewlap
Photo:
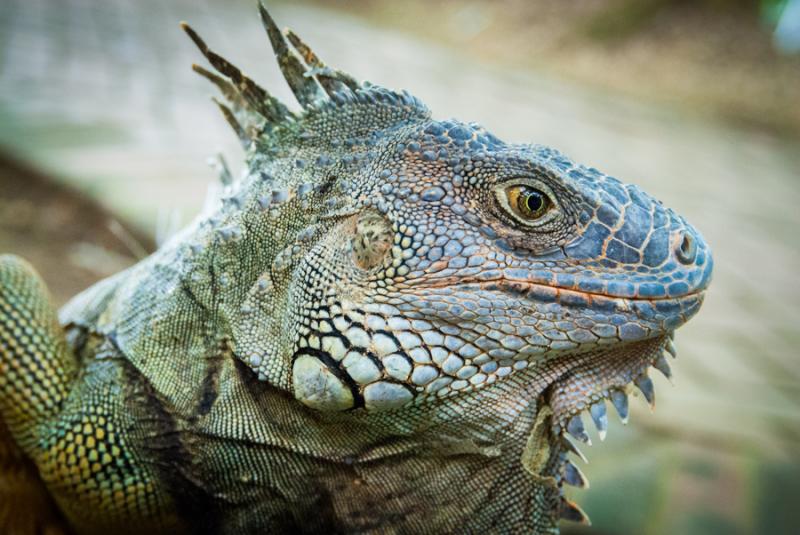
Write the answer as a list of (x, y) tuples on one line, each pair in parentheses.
[(390, 323)]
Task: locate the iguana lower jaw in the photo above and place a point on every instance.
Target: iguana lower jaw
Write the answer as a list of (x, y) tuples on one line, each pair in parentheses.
[(437, 341)]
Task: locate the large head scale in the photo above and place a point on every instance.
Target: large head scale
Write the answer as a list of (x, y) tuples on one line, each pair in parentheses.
[(411, 259)]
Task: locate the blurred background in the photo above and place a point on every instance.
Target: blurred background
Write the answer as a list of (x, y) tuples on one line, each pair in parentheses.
[(105, 134)]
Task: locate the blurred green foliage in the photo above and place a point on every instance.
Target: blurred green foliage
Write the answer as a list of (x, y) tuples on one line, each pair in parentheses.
[(622, 18)]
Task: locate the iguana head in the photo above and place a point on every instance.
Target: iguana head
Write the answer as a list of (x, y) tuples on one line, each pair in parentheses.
[(392, 260)]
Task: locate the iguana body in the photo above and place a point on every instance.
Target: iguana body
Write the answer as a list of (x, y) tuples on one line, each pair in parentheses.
[(389, 324)]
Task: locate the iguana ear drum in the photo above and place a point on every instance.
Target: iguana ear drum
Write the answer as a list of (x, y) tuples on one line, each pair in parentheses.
[(372, 240)]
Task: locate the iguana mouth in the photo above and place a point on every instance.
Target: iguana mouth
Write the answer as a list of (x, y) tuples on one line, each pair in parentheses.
[(542, 290), (547, 292), (584, 387), (551, 292)]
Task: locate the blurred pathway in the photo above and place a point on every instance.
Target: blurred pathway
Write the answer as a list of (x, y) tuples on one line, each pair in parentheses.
[(100, 93)]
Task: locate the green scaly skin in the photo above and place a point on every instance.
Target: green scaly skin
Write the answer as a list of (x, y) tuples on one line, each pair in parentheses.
[(390, 324)]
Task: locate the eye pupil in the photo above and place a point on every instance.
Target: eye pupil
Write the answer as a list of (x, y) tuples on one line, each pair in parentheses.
[(533, 201)]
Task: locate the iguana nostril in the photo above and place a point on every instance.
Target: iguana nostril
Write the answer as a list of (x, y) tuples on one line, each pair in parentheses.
[(687, 249)]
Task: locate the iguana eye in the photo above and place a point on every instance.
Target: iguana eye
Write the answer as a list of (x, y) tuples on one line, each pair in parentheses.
[(528, 203)]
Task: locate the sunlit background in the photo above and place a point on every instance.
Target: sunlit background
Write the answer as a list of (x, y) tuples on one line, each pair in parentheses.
[(696, 101)]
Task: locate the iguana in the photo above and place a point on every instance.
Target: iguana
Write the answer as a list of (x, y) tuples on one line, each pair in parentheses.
[(389, 323)]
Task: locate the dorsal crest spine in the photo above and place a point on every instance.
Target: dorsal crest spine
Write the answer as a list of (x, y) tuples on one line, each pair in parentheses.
[(251, 110)]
